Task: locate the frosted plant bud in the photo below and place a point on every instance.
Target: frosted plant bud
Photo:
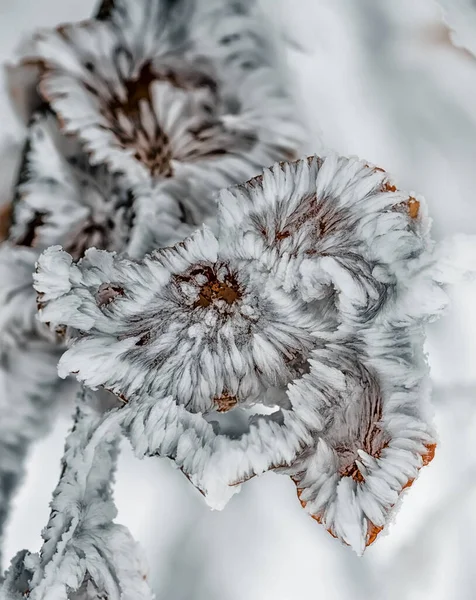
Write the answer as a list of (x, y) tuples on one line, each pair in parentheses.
[(188, 90)]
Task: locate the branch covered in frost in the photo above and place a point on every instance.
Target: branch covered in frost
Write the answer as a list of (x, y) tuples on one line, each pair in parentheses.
[(292, 340), (29, 387), (84, 554), (59, 198), (29, 384)]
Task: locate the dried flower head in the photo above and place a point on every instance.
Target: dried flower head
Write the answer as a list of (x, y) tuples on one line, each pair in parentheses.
[(159, 90), (375, 440), (338, 228), (292, 340)]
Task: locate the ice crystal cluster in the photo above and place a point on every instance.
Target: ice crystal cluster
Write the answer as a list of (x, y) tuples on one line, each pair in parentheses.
[(234, 328)]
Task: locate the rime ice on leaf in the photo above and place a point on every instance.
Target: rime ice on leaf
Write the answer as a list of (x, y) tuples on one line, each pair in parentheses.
[(157, 90), (310, 304), (85, 554), (375, 440)]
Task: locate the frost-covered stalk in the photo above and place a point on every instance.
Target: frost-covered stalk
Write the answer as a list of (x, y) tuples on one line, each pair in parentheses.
[(23, 387), (85, 555), (29, 386), (290, 340), (135, 119)]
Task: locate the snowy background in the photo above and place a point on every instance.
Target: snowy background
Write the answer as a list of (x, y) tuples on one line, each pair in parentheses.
[(380, 79)]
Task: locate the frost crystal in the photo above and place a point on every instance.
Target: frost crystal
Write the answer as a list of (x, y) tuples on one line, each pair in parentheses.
[(291, 340), (211, 334)]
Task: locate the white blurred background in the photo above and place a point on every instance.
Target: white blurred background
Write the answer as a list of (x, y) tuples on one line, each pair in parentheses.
[(380, 79)]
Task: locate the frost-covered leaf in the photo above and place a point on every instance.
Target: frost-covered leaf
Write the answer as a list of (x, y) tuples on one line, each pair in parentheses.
[(376, 436), (326, 225), (15, 584)]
